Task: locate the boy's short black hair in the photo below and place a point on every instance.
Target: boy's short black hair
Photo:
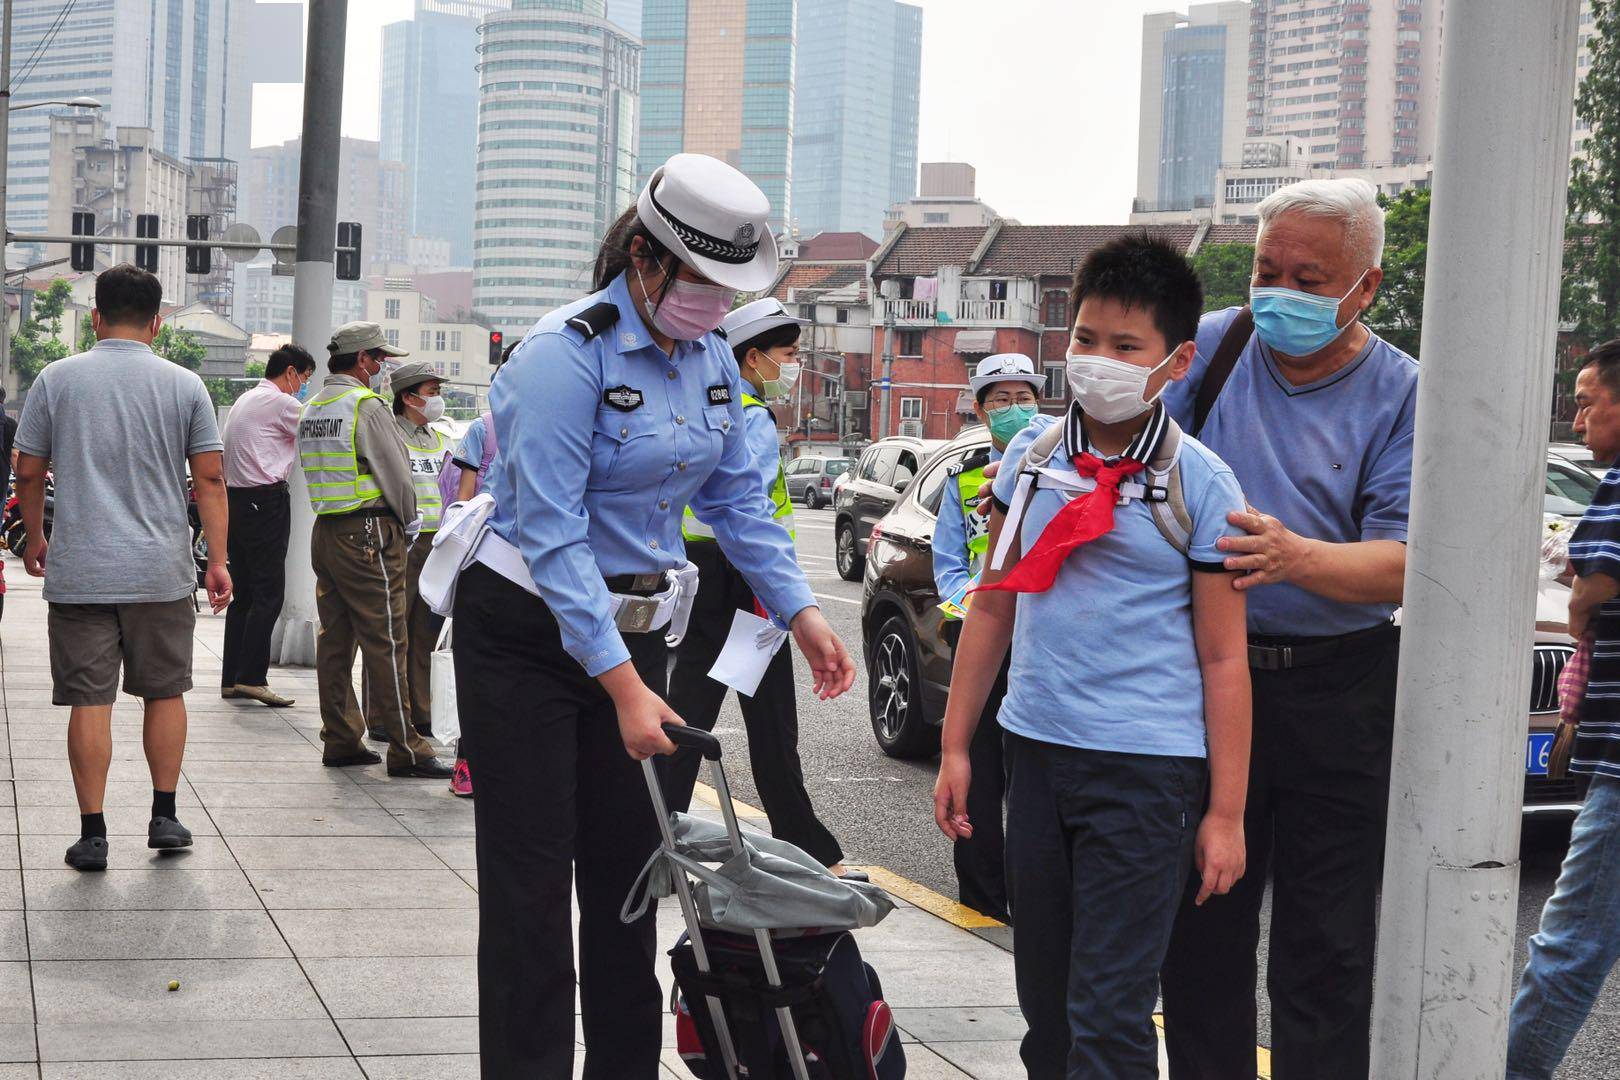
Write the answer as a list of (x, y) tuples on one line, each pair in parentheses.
[(289, 356), (775, 337), (1142, 270), (127, 295)]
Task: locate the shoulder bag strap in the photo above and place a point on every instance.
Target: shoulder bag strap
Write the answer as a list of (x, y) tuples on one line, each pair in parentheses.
[(1220, 367)]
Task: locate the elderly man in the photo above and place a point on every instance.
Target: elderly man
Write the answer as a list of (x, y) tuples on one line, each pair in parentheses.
[(1314, 414)]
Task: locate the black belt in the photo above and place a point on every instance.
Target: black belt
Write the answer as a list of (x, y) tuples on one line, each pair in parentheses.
[(263, 489), (636, 584), (365, 512), (1284, 654)]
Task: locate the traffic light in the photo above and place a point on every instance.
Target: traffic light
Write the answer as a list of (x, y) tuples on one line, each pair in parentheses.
[(199, 260), (496, 339), (348, 262), (83, 256), (146, 227)]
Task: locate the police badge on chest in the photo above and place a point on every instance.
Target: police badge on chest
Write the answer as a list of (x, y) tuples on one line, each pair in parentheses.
[(623, 398)]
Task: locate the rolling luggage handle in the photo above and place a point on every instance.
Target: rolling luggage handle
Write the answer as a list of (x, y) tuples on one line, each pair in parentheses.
[(709, 747)]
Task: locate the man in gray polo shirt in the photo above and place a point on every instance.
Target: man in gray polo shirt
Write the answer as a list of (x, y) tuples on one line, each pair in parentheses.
[(119, 425)]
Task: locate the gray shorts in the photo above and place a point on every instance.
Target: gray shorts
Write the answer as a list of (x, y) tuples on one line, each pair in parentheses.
[(89, 642)]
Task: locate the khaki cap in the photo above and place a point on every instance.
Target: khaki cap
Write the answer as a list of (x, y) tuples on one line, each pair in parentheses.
[(413, 374), (361, 336)]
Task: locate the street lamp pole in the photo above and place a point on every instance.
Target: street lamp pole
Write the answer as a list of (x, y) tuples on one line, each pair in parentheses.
[(5, 168)]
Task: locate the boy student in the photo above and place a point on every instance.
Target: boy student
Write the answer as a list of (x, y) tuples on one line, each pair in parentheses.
[(1004, 399), (1129, 669)]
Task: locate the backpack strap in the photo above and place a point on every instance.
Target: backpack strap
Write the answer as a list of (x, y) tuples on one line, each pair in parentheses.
[(1170, 513), (1220, 367), (1036, 457)]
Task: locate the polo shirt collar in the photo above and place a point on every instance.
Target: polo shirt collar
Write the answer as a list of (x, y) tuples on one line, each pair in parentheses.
[(1144, 448)]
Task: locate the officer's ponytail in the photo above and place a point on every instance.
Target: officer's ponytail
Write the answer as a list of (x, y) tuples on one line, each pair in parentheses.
[(614, 257)]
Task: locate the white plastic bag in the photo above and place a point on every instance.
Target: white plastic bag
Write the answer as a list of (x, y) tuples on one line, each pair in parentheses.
[(446, 722)]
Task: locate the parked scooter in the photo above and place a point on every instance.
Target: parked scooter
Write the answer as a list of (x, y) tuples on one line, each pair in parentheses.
[(11, 525)]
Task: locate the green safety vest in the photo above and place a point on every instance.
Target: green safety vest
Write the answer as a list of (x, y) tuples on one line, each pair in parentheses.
[(975, 526), (326, 453), (425, 466), (782, 506)]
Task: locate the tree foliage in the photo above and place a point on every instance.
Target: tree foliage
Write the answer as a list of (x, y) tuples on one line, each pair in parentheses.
[(179, 347), (1225, 270), (1397, 314), (1590, 302), (226, 391), (37, 342)]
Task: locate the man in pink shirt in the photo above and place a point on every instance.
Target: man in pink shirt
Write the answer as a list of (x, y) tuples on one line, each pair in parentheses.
[(261, 436)]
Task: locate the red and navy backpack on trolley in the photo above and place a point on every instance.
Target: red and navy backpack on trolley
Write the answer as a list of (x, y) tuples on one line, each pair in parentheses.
[(846, 1031)]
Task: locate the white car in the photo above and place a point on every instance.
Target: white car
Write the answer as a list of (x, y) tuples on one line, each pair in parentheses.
[(1578, 455)]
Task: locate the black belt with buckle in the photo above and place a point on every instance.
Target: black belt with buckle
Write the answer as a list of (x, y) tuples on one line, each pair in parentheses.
[(636, 584), (1285, 654)]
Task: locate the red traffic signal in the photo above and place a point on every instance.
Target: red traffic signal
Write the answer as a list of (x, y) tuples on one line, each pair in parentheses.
[(496, 343)]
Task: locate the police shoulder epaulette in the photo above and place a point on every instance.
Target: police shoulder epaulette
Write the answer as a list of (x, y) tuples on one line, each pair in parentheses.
[(594, 319), (720, 332)]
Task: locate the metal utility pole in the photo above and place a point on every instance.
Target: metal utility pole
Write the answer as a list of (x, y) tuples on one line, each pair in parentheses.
[(1445, 943), (888, 368), (294, 639), (5, 168)]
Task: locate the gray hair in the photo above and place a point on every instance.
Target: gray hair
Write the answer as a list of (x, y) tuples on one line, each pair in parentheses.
[(1352, 202)]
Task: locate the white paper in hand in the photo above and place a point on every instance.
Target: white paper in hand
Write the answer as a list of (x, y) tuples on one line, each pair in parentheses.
[(749, 648)]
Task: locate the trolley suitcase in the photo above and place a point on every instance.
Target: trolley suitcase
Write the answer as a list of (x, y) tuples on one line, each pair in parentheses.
[(782, 1005)]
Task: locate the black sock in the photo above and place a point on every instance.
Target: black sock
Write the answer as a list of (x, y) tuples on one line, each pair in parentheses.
[(92, 825), (163, 803)]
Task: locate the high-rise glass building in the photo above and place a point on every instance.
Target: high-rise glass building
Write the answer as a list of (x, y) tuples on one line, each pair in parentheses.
[(428, 115), (178, 67), (717, 79), (556, 161), (855, 113), (1195, 71)]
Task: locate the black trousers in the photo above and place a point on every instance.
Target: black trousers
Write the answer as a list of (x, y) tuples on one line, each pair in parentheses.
[(1318, 800), (1098, 847), (771, 715), (256, 543), (981, 862), (559, 803)]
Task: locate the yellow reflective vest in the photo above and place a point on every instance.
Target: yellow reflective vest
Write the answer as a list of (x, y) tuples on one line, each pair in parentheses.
[(326, 452), (781, 505)]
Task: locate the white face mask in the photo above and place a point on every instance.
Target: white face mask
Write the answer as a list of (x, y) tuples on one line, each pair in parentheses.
[(432, 409), (787, 375), (1111, 391)]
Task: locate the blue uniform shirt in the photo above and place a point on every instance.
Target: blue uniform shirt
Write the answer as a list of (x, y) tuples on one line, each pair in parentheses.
[(603, 444), (1332, 460), (951, 570), (1105, 658), (470, 451)]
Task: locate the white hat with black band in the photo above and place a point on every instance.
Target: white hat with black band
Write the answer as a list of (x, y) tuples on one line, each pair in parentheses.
[(746, 323), (713, 218), (1005, 367)]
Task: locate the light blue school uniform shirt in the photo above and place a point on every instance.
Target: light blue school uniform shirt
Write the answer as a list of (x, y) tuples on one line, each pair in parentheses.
[(1332, 460), (1105, 658), (952, 569), (604, 442)]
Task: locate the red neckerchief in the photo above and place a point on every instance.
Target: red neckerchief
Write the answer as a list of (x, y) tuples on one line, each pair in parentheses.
[(1085, 518)]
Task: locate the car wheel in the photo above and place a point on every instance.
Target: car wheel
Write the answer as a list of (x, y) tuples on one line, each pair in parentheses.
[(810, 500), (896, 695), (850, 561)]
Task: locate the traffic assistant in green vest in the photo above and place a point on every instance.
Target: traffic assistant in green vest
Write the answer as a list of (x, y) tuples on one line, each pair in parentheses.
[(1005, 388)]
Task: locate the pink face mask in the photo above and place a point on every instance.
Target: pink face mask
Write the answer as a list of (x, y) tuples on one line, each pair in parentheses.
[(689, 310)]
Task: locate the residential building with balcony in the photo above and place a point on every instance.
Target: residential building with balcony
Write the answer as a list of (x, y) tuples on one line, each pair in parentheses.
[(948, 297)]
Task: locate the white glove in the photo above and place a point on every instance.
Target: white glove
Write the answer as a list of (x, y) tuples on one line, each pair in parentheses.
[(414, 528), (769, 638)]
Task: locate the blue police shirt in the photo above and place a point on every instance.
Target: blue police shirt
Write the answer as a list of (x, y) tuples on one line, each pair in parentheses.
[(1105, 658), (603, 444), (951, 568), (470, 451), (1332, 460)]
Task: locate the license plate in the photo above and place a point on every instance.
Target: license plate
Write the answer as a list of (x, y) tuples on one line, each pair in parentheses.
[(1537, 748)]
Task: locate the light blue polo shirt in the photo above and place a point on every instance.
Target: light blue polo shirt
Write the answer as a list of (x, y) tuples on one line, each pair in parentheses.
[(1331, 459), (1104, 659)]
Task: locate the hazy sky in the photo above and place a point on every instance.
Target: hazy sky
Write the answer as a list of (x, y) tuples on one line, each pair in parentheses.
[(1041, 97)]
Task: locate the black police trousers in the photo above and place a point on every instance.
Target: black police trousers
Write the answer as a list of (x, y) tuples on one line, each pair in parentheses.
[(1318, 801), (559, 803), (771, 716)]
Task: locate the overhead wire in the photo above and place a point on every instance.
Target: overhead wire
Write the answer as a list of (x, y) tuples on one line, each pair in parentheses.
[(44, 43)]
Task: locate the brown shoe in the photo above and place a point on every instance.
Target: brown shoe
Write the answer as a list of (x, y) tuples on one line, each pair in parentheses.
[(228, 692), (263, 694)]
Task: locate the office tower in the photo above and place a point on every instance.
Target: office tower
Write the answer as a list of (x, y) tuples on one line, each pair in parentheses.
[(1355, 83), (859, 66), (371, 191), (717, 79), (175, 67), (1195, 81), (428, 115), (556, 161)]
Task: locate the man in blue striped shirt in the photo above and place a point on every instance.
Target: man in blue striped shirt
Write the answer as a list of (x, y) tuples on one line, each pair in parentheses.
[(1579, 939)]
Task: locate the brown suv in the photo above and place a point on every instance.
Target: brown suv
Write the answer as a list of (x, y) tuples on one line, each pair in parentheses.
[(908, 647)]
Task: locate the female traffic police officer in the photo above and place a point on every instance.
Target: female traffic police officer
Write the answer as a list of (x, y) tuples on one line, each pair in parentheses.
[(417, 404), (1004, 399), (614, 413)]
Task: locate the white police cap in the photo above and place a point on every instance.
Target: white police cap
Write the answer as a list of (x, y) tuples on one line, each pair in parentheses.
[(1005, 367), (713, 218), (754, 318)]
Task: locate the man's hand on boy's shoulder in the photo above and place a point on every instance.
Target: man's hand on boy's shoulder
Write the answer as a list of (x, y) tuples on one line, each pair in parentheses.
[(1268, 555), (1219, 854)]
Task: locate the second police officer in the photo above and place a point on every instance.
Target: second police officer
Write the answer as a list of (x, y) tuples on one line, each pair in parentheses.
[(613, 414)]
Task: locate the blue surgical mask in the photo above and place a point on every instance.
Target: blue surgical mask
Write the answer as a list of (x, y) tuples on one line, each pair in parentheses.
[(1010, 420), (1298, 323), (303, 390)]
